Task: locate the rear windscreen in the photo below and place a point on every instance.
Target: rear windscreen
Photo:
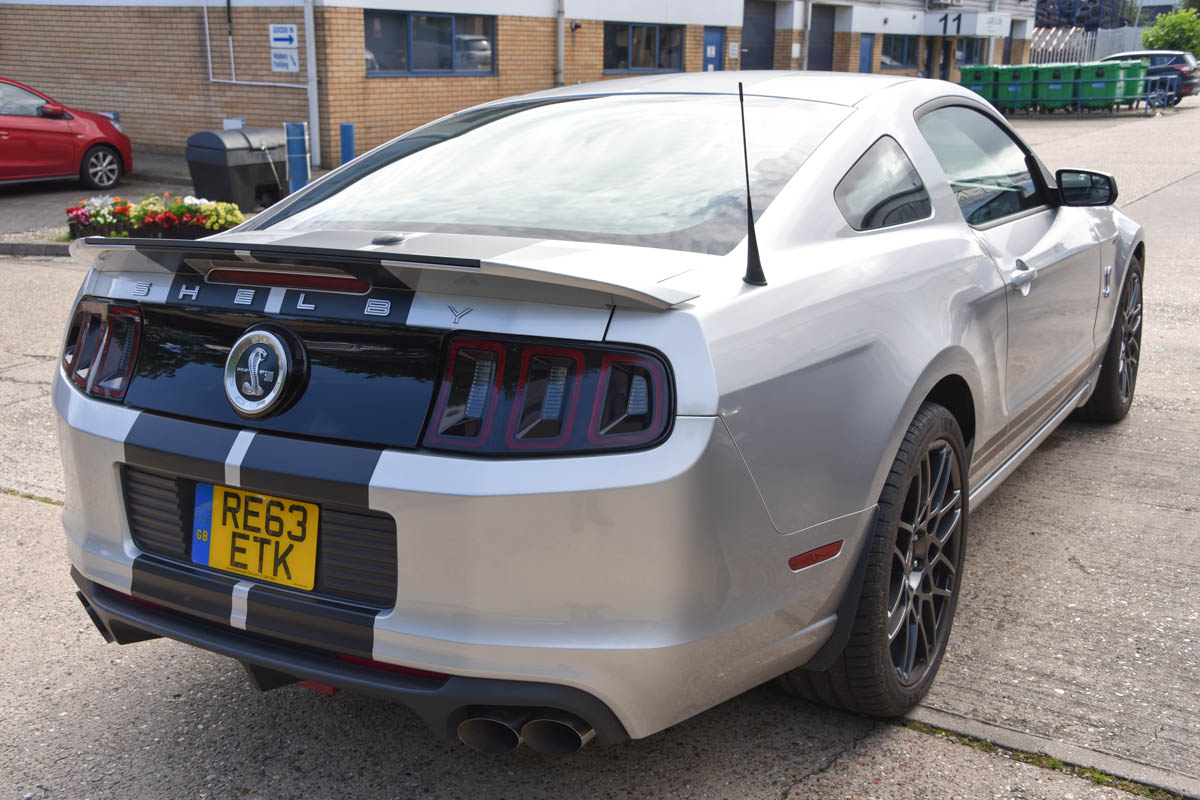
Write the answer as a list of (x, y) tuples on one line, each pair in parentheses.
[(651, 170)]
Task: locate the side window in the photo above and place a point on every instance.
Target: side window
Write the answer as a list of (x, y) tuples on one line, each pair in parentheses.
[(16, 102), (986, 169), (882, 189)]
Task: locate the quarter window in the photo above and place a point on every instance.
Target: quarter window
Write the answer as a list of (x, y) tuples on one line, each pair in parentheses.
[(403, 42), (987, 170), (882, 189), (15, 102), (636, 48), (898, 51)]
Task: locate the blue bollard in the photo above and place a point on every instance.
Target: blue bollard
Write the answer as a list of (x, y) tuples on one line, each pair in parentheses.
[(297, 154), (347, 141)]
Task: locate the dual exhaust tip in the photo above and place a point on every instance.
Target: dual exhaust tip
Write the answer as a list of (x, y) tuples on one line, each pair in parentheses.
[(503, 730)]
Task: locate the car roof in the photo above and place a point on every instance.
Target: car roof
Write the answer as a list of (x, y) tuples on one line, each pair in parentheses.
[(841, 88), (1144, 53)]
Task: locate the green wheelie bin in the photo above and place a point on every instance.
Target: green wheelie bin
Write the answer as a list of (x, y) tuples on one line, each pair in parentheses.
[(1056, 86), (1101, 84), (1135, 81), (980, 79), (1014, 87)]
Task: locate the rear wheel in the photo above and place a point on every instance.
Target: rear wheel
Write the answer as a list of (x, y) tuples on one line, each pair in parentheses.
[(1113, 397), (914, 571), (101, 168)]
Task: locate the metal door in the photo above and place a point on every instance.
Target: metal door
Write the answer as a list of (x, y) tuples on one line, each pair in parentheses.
[(714, 49), (820, 39), (758, 35), (866, 49)]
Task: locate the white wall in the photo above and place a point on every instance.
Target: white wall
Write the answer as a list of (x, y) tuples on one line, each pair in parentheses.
[(672, 12)]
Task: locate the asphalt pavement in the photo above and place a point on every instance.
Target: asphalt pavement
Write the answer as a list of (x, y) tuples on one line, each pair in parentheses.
[(1077, 631)]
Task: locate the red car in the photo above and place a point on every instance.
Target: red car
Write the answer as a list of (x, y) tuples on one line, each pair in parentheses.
[(44, 140)]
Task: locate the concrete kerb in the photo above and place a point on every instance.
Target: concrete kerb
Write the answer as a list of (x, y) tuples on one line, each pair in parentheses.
[(35, 249), (1186, 785)]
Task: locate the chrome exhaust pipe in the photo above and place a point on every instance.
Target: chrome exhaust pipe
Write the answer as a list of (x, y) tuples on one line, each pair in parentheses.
[(557, 734), (494, 730)]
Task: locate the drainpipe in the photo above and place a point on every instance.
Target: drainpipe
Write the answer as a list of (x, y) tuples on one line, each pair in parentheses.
[(992, 39), (310, 59), (559, 77), (807, 28)]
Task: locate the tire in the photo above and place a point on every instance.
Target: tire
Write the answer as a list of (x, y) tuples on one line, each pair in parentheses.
[(1113, 397), (101, 168), (879, 673)]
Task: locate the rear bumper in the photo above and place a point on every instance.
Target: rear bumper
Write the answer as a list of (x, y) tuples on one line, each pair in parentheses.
[(441, 704), (650, 582)]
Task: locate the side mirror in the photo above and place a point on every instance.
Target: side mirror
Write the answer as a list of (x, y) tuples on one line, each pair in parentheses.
[(1080, 187), (53, 109)]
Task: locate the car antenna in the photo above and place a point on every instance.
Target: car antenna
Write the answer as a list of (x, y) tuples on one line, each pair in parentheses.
[(754, 271)]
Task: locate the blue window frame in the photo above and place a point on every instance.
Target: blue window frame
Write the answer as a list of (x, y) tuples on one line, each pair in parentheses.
[(970, 51), (899, 52), (417, 43), (636, 47)]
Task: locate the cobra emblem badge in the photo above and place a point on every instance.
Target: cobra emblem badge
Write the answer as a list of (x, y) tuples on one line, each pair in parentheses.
[(252, 387), (257, 372)]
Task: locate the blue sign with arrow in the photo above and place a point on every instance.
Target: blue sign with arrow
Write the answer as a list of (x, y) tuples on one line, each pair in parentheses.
[(283, 36)]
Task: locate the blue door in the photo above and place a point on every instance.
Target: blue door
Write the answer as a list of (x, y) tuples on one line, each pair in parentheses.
[(866, 48), (714, 49)]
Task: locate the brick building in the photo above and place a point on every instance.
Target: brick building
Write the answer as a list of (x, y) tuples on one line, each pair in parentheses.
[(172, 67)]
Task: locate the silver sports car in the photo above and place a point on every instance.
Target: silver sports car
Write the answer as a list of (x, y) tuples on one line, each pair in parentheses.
[(527, 421)]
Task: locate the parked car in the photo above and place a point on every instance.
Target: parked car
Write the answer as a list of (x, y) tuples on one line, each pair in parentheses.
[(590, 453), (1166, 62), (44, 140)]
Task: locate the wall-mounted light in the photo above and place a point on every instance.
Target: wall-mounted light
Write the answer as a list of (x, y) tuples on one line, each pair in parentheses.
[(576, 26)]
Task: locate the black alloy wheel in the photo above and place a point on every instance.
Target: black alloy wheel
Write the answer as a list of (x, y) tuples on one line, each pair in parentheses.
[(912, 580), (1129, 318), (925, 564), (1117, 383)]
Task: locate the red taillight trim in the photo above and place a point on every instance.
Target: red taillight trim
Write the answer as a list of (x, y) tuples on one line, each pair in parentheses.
[(412, 672), (658, 388), (323, 688), (102, 352), (432, 436), (572, 404), (815, 556), (288, 280)]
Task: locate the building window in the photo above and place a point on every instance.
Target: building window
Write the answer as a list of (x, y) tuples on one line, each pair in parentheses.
[(899, 52), (637, 48), (970, 51), (404, 43)]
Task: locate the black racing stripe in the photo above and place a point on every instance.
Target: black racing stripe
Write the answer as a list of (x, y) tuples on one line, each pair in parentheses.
[(182, 588), (179, 448), (328, 473), (310, 621)]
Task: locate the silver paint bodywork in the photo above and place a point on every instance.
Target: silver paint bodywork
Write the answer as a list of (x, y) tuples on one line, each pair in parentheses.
[(658, 580)]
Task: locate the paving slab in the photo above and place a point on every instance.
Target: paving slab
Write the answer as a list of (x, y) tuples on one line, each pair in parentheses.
[(1079, 620)]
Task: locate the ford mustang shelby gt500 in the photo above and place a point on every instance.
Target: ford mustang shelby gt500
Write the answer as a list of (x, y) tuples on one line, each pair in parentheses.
[(524, 420)]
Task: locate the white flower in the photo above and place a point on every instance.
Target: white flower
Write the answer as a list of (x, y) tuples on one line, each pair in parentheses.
[(98, 202), (194, 201)]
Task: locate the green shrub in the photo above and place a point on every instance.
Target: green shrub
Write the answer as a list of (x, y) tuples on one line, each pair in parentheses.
[(1177, 31)]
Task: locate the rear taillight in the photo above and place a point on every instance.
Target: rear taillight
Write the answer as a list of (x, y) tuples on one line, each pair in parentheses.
[(102, 346), (503, 396)]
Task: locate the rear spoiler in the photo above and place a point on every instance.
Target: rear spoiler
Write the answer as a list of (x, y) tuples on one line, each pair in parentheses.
[(182, 255)]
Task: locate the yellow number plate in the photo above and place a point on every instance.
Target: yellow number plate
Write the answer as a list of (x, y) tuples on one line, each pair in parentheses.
[(257, 535)]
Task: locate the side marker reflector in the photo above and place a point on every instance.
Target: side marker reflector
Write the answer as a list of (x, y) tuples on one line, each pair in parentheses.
[(822, 553), (319, 687)]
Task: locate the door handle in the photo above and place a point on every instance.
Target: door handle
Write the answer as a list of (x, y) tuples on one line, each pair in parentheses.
[(1022, 276)]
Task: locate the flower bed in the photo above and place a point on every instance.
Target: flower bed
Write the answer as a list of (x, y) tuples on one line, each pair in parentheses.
[(156, 216)]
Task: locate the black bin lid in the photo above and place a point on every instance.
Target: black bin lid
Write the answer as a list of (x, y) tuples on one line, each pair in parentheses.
[(237, 139)]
